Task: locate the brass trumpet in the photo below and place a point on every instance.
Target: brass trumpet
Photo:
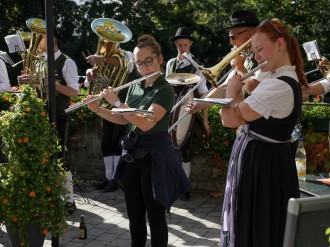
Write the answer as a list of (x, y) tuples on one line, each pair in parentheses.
[(98, 96), (212, 73)]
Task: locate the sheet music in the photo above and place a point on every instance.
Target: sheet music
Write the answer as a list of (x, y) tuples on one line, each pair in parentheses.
[(6, 57), (217, 101), (312, 50), (15, 43)]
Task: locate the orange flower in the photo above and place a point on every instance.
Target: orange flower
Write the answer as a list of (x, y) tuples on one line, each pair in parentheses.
[(48, 189), (43, 113), (19, 140), (11, 166), (44, 161), (26, 139), (21, 244), (5, 201), (27, 109), (32, 194), (45, 231), (4, 98), (10, 100), (14, 219)]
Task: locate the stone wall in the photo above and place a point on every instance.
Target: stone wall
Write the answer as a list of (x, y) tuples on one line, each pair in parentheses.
[(87, 163)]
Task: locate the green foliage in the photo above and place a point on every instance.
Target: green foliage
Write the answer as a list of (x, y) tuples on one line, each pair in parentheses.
[(6, 100), (31, 183), (221, 140), (82, 116)]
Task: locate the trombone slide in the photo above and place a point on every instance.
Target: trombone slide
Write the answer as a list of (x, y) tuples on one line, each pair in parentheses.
[(222, 92)]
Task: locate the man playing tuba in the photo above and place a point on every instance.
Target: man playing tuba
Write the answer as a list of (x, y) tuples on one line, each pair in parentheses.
[(111, 66), (66, 86)]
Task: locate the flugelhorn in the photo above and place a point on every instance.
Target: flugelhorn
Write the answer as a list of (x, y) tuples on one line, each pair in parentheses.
[(211, 74), (117, 89)]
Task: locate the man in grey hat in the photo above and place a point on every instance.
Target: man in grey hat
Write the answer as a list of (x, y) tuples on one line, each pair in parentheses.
[(183, 42)]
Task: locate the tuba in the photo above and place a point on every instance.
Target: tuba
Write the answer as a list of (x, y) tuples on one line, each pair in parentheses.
[(111, 33), (32, 62)]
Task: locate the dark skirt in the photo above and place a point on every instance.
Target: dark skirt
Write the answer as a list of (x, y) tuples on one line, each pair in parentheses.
[(269, 179)]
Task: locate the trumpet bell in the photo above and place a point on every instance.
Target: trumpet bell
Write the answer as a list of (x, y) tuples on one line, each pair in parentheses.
[(111, 30), (36, 25), (183, 78)]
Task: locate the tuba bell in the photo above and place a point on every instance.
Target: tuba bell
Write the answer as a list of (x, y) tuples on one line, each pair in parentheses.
[(111, 33)]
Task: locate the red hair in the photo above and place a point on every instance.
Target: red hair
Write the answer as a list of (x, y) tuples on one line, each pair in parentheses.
[(274, 29)]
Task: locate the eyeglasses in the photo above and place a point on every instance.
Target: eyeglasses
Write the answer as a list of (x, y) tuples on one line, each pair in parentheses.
[(233, 37), (272, 24), (147, 62)]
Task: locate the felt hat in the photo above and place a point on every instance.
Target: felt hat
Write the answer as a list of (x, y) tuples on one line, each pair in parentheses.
[(182, 33), (243, 18)]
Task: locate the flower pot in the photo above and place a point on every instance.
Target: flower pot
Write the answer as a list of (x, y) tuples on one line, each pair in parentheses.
[(34, 235)]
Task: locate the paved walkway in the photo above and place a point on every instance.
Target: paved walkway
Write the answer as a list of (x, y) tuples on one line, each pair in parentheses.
[(192, 223)]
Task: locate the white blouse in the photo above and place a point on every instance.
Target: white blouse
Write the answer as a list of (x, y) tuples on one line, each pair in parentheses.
[(4, 80), (273, 97)]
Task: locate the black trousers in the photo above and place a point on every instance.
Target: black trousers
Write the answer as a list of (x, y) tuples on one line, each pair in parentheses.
[(112, 135), (139, 202)]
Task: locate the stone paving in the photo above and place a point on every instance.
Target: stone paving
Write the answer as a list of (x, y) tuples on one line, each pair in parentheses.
[(191, 223)]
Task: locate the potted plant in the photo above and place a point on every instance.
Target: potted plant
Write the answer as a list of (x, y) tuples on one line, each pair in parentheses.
[(32, 182)]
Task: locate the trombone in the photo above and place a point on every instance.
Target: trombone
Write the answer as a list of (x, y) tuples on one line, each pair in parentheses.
[(222, 92), (98, 96), (212, 73)]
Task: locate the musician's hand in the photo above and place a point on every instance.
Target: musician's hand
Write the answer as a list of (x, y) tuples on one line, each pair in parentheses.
[(94, 106), (89, 75), (234, 87), (109, 95), (93, 59), (23, 79), (238, 64)]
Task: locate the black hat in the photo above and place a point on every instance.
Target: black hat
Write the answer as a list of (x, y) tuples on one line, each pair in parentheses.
[(243, 18), (182, 33)]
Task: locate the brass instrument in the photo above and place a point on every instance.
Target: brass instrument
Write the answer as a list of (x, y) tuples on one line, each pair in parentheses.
[(111, 33), (212, 73), (324, 67), (33, 63), (221, 93), (117, 89)]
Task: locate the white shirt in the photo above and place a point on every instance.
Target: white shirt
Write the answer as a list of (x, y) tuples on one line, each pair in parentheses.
[(273, 97), (202, 88), (70, 72), (326, 85), (4, 79)]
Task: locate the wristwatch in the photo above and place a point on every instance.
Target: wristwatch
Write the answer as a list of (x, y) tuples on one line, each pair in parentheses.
[(117, 104)]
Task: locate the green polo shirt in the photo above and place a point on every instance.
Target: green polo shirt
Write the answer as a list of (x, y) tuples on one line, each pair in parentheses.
[(160, 93)]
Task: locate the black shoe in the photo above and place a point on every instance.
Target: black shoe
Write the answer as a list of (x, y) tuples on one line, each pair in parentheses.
[(111, 186), (69, 208), (185, 197), (102, 185)]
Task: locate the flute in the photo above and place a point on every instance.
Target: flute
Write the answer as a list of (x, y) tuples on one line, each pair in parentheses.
[(98, 96)]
